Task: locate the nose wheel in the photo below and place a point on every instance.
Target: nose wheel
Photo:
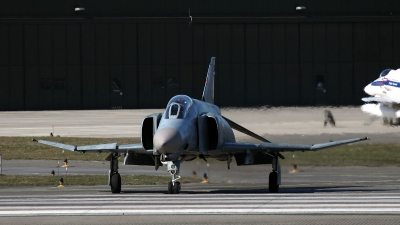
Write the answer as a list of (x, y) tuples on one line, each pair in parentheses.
[(174, 187)]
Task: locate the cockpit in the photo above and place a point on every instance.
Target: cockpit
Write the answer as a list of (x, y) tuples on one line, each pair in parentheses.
[(385, 72), (178, 107)]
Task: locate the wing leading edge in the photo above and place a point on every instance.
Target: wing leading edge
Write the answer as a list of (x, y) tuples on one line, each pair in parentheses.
[(109, 147), (271, 147)]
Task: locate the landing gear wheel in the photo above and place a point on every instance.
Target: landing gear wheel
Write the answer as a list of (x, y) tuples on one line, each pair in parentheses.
[(116, 183), (170, 187), (273, 182), (177, 188)]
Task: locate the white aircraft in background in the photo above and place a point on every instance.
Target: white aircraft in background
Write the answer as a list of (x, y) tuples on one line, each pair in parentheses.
[(386, 97)]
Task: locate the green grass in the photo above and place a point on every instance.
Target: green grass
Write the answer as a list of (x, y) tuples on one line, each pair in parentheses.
[(86, 180), (359, 154), (25, 148)]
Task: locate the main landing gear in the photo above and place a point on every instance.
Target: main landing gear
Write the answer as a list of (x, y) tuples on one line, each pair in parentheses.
[(114, 178), (174, 186), (275, 175)]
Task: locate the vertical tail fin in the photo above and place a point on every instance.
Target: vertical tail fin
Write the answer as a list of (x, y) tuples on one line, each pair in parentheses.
[(208, 92)]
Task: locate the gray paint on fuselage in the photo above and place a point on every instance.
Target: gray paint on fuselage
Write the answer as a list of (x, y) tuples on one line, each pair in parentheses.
[(187, 127)]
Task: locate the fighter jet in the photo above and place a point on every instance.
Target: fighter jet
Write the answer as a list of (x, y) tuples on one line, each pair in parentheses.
[(190, 129), (386, 97)]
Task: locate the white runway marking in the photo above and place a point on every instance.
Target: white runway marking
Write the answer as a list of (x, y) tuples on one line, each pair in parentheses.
[(135, 204)]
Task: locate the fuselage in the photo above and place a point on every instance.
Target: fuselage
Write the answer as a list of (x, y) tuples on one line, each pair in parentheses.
[(386, 86), (178, 130), (385, 92)]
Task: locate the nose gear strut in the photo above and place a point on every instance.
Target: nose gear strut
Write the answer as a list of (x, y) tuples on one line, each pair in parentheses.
[(174, 187)]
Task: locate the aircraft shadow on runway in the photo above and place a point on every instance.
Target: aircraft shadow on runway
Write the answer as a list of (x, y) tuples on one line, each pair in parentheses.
[(310, 189)]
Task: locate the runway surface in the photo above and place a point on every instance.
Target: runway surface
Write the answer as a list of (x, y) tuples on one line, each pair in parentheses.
[(219, 204)]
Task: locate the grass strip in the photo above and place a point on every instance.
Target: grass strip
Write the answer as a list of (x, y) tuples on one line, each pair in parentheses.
[(86, 180), (357, 154), (25, 148), (360, 154)]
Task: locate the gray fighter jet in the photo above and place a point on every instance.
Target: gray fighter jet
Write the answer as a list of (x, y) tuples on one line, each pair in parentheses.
[(190, 128)]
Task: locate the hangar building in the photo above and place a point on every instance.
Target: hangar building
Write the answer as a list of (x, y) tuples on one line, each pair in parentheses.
[(100, 54)]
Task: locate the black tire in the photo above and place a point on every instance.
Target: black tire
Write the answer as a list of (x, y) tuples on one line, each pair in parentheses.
[(177, 188), (170, 187), (273, 182), (116, 183)]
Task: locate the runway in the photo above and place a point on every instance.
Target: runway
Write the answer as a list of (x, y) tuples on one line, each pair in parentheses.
[(198, 205), (161, 204)]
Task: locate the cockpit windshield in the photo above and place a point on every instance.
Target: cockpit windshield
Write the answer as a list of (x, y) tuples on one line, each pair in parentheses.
[(178, 107), (385, 72)]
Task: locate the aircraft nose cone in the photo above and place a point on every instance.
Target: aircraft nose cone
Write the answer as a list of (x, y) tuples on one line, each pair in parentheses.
[(167, 140), (369, 89)]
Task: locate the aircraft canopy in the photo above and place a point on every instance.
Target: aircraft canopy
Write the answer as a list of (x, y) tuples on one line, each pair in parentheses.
[(178, 107), (385, 72)]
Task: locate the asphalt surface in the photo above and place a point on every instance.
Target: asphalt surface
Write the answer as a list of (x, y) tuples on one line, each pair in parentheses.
[(203, 204), (313, 195)]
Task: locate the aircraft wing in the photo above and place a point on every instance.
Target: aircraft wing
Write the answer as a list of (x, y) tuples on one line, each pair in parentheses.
[(109, 147), (271, 147), (380, 99)]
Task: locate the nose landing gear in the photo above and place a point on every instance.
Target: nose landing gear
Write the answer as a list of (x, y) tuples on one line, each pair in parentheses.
[(174, 187)]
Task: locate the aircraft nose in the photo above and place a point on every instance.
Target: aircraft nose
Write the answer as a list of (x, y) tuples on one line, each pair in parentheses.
[(167, 140), (369, 89)]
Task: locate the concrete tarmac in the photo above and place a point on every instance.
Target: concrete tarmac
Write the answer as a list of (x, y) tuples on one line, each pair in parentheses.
[(287, 124)]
